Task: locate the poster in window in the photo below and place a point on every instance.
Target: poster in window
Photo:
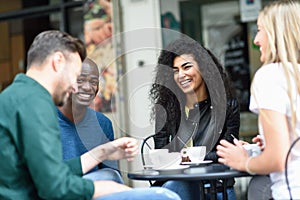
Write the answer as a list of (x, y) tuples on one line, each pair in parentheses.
[(98, 30)]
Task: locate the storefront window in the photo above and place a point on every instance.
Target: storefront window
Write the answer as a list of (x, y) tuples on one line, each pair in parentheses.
[(21, 21)]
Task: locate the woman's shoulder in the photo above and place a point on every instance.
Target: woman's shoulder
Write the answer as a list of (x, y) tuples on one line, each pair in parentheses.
[(269, 75), (269, 69)]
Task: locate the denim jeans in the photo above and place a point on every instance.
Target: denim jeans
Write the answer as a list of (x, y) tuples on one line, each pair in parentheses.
[(105, 174), (190, 190), (230, 194), (153, 193)]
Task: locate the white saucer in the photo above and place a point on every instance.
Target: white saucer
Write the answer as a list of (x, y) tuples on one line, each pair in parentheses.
[(172, 169), (197, 163)]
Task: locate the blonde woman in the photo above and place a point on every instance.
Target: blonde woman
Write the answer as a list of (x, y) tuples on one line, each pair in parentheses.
[(275, 98)]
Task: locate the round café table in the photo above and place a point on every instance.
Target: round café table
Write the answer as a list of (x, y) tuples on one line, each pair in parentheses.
[(211, 173)]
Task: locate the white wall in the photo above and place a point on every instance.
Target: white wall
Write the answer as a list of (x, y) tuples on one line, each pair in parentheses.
[(142, 42)]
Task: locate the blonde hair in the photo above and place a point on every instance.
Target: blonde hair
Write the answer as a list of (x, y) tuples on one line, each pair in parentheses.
[(281, 21)]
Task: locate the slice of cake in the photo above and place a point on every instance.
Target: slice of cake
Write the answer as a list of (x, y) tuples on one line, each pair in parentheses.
[(184, 155)]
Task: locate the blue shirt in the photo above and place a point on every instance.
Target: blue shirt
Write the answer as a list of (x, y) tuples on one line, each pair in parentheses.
[(78, 138)]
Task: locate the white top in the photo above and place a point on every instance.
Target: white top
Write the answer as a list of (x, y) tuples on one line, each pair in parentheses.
[(269, 91)]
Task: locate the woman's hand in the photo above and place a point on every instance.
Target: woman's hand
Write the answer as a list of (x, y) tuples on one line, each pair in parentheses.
[(258, 140), (232, 155)]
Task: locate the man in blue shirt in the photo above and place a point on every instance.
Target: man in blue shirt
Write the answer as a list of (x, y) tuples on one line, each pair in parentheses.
[(82, 128)]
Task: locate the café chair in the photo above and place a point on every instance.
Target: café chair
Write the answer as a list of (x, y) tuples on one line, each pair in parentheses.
[(148, 144)]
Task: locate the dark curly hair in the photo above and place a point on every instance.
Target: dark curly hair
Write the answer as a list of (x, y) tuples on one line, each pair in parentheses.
[(165, 95)]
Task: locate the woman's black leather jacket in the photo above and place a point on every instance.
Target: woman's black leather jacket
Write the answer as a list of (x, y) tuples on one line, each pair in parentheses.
[(201, 130)]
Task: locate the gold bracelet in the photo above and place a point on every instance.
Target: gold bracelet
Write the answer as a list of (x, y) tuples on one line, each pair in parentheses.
[(247, 166)]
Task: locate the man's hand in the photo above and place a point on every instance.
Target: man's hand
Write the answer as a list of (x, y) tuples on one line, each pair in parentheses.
[(122, 148)]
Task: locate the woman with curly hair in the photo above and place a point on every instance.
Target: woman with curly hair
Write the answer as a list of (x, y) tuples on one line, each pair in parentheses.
[(193, 105)]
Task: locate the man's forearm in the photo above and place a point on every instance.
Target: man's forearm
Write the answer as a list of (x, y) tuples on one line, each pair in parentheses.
[(92, 158)]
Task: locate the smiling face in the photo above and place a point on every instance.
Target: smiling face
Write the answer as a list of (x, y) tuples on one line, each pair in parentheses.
[(187, 75), (87, 84), (261, 39)]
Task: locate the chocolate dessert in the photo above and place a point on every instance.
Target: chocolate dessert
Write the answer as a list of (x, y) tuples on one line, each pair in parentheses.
[(184, 155)]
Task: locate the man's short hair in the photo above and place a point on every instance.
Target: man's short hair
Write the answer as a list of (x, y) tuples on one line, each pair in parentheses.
[(52, 41)]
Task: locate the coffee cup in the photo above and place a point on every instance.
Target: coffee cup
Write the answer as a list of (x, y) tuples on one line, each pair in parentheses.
[(161, 158), (196, 153)]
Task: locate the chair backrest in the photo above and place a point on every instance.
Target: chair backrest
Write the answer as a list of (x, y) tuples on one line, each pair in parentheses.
[(148, 144)]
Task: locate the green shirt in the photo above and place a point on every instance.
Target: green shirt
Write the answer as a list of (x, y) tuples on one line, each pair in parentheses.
[(32, 166)]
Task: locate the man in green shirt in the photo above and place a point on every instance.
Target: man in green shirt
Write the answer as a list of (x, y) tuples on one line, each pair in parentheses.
[(32, 166)]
